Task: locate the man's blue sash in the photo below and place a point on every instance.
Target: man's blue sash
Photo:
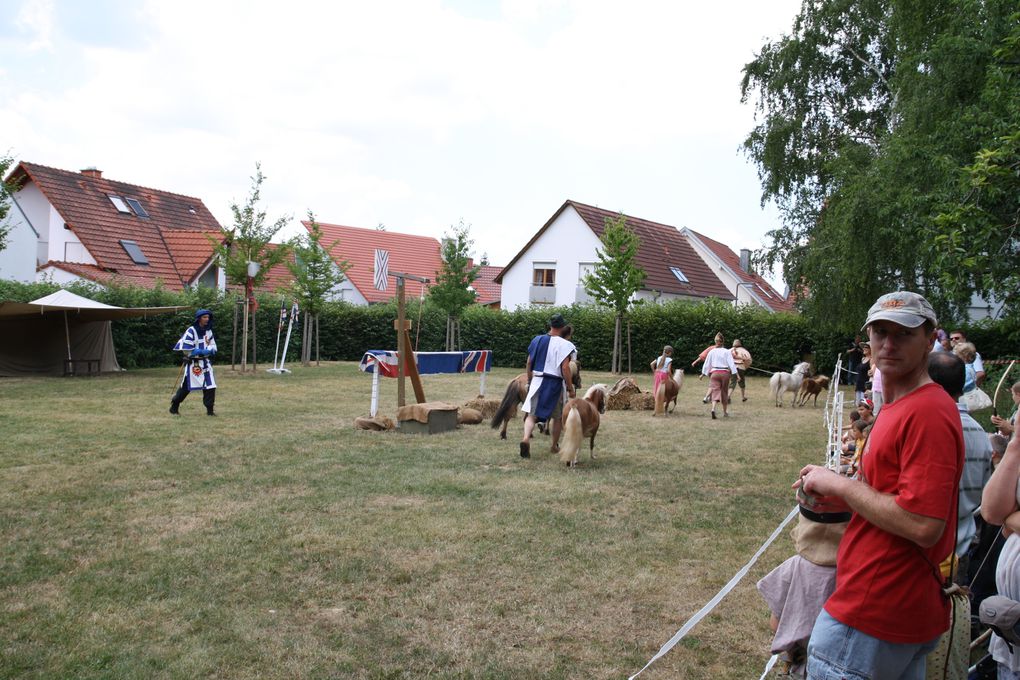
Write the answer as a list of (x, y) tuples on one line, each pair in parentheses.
[(550, 391)]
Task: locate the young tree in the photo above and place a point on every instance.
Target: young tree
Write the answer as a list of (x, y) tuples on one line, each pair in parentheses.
[(616, 277), (452, 291), (6, 191), (315, 276), (248, 240)]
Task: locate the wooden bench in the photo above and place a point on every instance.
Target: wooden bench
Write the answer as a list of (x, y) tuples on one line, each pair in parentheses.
[(72, 367)]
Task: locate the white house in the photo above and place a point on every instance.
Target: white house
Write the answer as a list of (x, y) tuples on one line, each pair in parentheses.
[(550, 267), (79, 226)]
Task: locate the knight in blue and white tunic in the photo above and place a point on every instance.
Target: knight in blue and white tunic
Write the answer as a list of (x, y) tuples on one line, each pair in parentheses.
[(198, 344), (549, 382)]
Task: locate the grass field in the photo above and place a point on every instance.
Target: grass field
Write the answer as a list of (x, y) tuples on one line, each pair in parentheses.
[(276, 541)]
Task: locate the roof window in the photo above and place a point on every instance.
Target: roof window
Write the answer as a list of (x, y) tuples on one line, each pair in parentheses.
[(137, 207), (679, 274), (134, 252), (119, 204), (767, 294)]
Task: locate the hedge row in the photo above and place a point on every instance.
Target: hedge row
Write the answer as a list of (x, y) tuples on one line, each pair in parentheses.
[(777, 341)]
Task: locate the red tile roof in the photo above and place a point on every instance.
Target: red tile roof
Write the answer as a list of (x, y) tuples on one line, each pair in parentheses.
[(418, 255), (764, 289), (191, 250), (104, 276), (485, 285), (662, 247), (82, 201)]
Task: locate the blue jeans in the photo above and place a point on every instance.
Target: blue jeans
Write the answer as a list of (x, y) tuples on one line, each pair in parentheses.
[(839, 652)]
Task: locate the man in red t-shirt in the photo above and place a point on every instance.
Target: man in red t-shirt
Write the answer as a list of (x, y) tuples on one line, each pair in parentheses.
[(888, 610)]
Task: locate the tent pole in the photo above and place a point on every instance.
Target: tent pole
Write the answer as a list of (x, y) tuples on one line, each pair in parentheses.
[(67, 332)]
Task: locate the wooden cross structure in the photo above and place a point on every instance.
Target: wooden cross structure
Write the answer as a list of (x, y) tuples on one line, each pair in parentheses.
[(405, 355)]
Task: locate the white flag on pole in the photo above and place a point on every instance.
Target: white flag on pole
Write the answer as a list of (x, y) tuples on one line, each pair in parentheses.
[(382, 261)]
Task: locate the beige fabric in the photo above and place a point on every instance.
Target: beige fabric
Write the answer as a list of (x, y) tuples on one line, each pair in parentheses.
[(817, 542), (420, 412)]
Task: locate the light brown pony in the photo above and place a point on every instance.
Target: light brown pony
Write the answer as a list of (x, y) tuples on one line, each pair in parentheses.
[(667, 392), (516, 393), (812, 387), (581, 418)]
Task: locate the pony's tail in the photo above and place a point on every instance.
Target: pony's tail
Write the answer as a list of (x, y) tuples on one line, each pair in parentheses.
[(774, 382), (660, 399), (678, 376), (507, 406), (573, 433)]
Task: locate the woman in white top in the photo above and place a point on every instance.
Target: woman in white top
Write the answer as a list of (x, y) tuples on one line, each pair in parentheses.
[(719, 366)]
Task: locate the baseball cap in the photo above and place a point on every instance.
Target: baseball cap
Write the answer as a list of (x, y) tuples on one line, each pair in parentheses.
[(902, 307), (557, 321)]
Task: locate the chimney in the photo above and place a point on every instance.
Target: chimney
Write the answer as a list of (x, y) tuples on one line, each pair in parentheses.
[(745, 260), (93, 171)]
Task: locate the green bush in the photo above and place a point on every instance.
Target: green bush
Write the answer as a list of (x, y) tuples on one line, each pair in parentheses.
[(776, 341)]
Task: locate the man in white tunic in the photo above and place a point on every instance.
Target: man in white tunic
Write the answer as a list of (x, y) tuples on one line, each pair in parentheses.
[(198, 344), (548, 374)]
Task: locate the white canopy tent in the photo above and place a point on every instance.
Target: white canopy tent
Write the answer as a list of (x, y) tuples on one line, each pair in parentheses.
[(61, 334)]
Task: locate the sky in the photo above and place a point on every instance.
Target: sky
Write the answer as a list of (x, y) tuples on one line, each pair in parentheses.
[(413, 114)]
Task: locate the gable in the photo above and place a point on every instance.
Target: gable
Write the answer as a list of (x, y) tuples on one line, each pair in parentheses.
[(762, 288)]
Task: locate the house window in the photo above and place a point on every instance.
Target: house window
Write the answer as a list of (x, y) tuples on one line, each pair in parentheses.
[(137, 207), (679, 274), (767, 294), (544, 275), (134, 252), (119, 204)]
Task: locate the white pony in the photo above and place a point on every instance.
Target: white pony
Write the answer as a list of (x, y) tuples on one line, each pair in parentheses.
[(779, 383)]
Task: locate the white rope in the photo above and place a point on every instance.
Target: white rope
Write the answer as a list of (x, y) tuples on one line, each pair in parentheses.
[(769, 665), (704, 611)]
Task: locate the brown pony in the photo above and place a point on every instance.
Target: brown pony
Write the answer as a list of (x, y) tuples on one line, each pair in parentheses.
[(812, 387), (667, 392), (581, 419), (516, 393)]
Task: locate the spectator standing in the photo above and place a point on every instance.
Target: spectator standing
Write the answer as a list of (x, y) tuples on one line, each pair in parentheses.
[(888, 610), (863, 369), (854, 355), (958, 336)]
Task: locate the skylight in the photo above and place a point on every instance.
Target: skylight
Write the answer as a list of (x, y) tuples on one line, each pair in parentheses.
[(679, 274), (767, 294), (137, 207), (134, 252), (119, 204)]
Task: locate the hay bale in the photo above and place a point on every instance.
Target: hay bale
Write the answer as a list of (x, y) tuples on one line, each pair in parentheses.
[(469, 416), (642, 402), (621, 393), (377, 424), (487, 407)]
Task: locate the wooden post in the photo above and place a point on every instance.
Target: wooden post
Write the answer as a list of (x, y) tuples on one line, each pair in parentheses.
[(233, 347), (316, 319), (254, 342), (244, 338), (401, 346)]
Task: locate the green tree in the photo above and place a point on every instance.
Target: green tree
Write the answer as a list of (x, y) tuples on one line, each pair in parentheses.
[(6, 191), (867, 112), (452, 291), (248, 240), (977, 239), (316, 275), (615, 277)]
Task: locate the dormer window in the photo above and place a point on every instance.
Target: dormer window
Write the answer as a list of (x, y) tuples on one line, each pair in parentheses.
[(134, 252), (679, 274), (119, 204), (137, 207)]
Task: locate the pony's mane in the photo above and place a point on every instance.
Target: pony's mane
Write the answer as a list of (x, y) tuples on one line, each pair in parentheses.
[(600, 387)]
